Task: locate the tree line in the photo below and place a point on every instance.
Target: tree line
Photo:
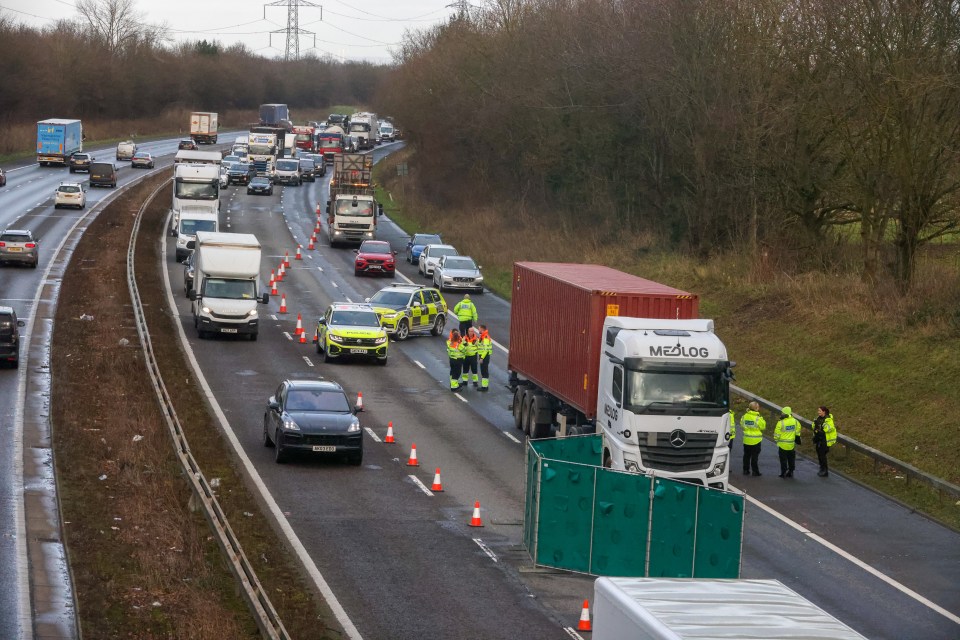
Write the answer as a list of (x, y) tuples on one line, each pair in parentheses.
[(800, 126), (107, 63)]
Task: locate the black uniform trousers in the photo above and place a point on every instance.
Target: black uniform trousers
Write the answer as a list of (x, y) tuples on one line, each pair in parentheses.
[(751, 458), (788, 460), (822, 450)]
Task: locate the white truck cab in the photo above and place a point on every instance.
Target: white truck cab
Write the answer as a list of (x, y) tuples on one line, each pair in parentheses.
[(663, 399), (196, 186), (191, 220)]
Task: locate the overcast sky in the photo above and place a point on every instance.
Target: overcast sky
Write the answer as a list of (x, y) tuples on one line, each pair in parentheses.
[(345, 29)]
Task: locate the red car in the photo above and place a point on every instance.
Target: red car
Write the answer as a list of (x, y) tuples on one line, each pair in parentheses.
[(375, 256)]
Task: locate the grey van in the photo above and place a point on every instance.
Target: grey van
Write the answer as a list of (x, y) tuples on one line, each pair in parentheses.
[(103, 174)]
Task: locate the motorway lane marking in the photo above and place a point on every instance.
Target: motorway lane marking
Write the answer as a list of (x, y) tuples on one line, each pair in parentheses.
[(372, 434), (422, 486), (572, 633), (417, 362), (273, 317), (289, 337), (462, 399), (858, 562), (308, 361), (335, 285), (511, 436), (486, 550)]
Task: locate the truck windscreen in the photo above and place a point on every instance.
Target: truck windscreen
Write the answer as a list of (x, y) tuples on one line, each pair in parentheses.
[(359, 208), (190, 227), (700, 389), (196, 190), (229, 289), (261, 150)]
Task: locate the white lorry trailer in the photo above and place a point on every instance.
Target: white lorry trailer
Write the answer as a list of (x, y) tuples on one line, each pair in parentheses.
[(682, 609), (197, 187), (366, 127), (203, 127), (226, 284)]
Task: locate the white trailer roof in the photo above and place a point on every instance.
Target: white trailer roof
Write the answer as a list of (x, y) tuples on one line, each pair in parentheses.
[(202, 157), (229, 255), (691, 609)]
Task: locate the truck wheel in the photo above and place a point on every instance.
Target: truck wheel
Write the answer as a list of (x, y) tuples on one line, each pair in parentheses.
[(403, 330), (438, 325), (518, 408), (525, 413)]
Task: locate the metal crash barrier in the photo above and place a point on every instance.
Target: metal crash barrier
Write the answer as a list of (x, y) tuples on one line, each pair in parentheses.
[(579, 516)]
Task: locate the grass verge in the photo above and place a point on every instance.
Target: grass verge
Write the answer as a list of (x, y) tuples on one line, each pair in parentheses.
[(144, 564), (885, 364)]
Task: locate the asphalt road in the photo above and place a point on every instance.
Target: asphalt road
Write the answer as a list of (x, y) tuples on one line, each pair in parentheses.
[(404, 564)]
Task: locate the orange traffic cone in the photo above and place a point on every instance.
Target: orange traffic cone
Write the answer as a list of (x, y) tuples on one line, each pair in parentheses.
[(298, 256), (475, 520), (280, 271), (318, 209), (584, 624), (299, 329), (283, 303), (313, 240), (412, 462), (273, 287), (359, 401), (316, 229), (436, 482), (286, 258), (389, 439), (273, 276), (303, 337)]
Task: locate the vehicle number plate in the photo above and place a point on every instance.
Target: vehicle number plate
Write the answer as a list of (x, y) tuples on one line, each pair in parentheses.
[(358, 350), (375, 267), (324, 448), (228, 330), (14, 249)]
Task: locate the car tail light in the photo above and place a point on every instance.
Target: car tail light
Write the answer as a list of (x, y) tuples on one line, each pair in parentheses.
[(3, 244), (31, 245)]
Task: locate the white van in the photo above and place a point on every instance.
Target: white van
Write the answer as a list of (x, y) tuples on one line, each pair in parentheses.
[(287, 171), (192, 220), (126, 149)]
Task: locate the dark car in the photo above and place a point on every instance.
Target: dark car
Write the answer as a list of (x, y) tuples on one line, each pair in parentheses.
[(3, 178), (142, 159), (241, 173), (188, 272), (103, 174), (260, 184), (188, 144), (319, 164), (307, 169), (10, 336), (313, 416), (376, 257), (418, 242), (80, 162), (19, 245)]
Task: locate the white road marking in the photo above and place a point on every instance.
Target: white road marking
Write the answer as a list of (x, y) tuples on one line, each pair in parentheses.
[(372, 434), (320, 269), (422, 486), (486, 550), (273, 316), (335, 284), (511, 436), (417, 362), (289, 337), (572, 633), (860, 563), (462, 399), (308, 361)]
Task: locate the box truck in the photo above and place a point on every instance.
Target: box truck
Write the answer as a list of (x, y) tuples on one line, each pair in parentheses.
[(677, 609), (274, 115), (330, 143), (57, 140), (203, 127), (596, 350), (226, 284), (196, 187), (366, 127), (352, 209)]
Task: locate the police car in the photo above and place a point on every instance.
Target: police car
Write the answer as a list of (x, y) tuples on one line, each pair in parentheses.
[(405, 308), (351, 329)]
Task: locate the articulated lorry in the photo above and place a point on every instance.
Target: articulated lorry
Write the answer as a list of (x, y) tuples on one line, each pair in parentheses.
[(274, 115), (330, 143), (262, 152), (352, 209), (203, 127), (226, 284), (196, 194), (305, 138), (57, 140), (678, 609), (366, 127), (625, 357)]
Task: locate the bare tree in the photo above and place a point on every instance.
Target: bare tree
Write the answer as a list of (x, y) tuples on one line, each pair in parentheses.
[(117, 25)]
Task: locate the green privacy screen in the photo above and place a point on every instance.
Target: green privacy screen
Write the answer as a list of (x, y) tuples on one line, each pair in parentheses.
[(581, 517)]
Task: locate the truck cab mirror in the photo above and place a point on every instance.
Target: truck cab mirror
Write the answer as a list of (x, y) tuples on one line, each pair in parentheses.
[(328, 207), (357, 410), (379, 209), (191, 244), (21, 323), (265, 298), (193, 294)]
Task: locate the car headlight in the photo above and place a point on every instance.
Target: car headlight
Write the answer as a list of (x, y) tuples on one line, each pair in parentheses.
[(335, 338), (719, 467), (447, 278), (630, 463), (252, 313), (354, 427), (380, 340), (478, 279), (205, 309), (289, 424)]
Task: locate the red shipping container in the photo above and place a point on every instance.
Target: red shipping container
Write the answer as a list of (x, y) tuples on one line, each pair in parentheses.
[(556, 322)]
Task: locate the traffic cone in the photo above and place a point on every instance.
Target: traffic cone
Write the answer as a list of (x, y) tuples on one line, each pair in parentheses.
[(359, 401), (436, 482), (299, 329), (475, 520), (584, 624), (389, 439), (412, 462), (311, 246), (318, 209), (283, 303), (298, 256), (273, 287), (303, 337), (280, 272), (286, 258), (273, 276), (316, 229)]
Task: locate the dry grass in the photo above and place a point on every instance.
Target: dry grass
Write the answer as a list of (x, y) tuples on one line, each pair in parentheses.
[(145, 565), (885, 363)]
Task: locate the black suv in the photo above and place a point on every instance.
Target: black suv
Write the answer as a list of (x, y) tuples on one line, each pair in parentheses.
[(80, 162), (240, 173), (10, 336)]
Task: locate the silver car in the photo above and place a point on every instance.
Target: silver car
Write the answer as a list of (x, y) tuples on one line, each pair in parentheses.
[(431, 254), (19, 245), (457, 272)]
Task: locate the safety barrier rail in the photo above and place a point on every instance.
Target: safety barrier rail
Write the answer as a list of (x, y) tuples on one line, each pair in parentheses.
[(253, 592), (879, 458)]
